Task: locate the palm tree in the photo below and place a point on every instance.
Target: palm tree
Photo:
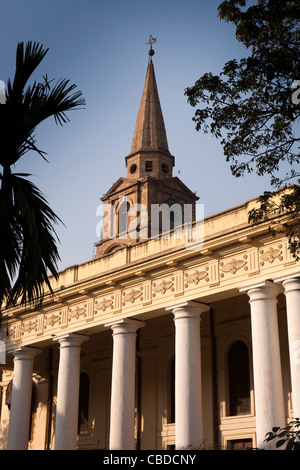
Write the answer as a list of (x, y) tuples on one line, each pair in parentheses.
[(28, 242)]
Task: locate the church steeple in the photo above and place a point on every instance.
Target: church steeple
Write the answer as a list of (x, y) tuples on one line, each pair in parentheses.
[(150, 155), (149, 182), (150, 132)]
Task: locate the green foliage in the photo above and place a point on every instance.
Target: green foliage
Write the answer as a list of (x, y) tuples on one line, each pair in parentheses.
[(28, 250), (288, 436), (249, 106)]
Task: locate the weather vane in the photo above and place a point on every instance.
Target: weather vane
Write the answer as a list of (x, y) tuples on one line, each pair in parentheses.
[(151, 41)]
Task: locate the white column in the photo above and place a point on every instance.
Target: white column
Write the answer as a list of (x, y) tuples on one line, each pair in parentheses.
[(292, 294), (123, 384), (268, 389), (66, 422), (188, 394), (20, 409)]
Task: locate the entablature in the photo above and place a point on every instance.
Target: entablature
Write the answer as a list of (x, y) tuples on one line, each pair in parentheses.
[(144, 290)]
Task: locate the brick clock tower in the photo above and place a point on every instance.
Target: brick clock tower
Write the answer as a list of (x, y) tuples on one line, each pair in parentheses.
[(149, 182)]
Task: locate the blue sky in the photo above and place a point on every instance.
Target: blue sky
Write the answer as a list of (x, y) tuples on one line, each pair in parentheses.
[(100, 46)]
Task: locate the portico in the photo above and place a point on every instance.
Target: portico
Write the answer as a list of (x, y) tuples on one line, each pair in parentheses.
[(122, 316)]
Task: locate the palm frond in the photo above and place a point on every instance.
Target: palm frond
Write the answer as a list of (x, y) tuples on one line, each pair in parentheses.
[(41, 101), (61, 99), (9, 239), (28, 57), (32, 245), (28, 249), (25, 109)]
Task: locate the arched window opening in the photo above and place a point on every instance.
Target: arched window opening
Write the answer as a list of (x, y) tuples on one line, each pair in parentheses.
[(239, 379), (172, 216), (114, 248), (123, 222), (83, 408)]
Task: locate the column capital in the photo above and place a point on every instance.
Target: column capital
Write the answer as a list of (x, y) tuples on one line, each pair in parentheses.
[(287, 277), (290, 284), (189, 308), (262, 290), (70, 339), (24, 353), (125, 325)]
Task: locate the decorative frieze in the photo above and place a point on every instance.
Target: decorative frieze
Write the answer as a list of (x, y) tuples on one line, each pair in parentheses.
[(29, 326), (233, 265), (252, 262), (103, 304), (76, 312), (147, 292), (132, 295), (50, 320), (11, 332), (289, 260), (270, 254), (64, 317), (201, 277), (89, 310), (163, 286), (40, 324), (178, 283), (214, 278), (118, 301), (196, 276)]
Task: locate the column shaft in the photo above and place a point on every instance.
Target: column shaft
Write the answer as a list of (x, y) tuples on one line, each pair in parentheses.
[(66, 422), (292, 294), (20, 410), (123, 384), (268, 389), (188, 393)]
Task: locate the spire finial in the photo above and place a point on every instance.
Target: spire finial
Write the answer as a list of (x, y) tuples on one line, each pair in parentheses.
[(151, 41)]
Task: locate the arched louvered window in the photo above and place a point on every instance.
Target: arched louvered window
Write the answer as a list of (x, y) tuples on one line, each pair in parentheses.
[(83, 408), (123, 222), (239, 379)]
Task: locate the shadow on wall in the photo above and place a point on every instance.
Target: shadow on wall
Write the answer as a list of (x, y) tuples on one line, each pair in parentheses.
[(4, 434)]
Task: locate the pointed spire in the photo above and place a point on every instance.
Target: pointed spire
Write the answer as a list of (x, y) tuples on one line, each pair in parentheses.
[(150, 132)]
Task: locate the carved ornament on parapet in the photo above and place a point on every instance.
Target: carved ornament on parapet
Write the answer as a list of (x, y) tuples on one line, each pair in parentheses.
[(11, 332), (196, 276), (163, 286), (29, 326), (77, 312), (233, 266), (50, 320), (103, 304), (132, 295), (270, 254)]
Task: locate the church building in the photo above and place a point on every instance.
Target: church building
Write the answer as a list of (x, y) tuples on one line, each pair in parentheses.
[(179, 334)]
